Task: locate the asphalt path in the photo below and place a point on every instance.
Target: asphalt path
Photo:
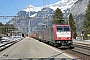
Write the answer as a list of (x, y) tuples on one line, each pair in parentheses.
[(31, 48)]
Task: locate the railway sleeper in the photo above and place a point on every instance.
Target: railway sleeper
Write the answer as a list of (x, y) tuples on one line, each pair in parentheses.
[(7, 45)]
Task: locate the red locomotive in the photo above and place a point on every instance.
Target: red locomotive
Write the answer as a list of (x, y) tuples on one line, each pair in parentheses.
[(57, 35)]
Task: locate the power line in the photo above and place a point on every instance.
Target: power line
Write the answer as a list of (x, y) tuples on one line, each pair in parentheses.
[(3, 8), (22, 17), (44, 2), (1, 13), (14, 5), (48, 2)]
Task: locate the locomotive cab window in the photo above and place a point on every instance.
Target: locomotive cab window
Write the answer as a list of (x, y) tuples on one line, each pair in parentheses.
[(66, 28), (59, 28)]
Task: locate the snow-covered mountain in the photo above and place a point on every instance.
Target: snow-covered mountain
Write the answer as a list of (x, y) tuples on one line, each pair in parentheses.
[(44, 11), (63, 5), (32, 8)]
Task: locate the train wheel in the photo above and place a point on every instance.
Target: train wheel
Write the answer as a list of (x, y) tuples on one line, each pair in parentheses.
[(71, 47), (51, 44), (55, 45)]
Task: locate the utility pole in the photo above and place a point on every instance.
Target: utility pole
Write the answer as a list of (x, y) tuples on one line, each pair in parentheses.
[(47, 16), (29, 23)]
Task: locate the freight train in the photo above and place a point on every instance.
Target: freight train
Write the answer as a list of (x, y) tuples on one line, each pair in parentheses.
[(56, 35)]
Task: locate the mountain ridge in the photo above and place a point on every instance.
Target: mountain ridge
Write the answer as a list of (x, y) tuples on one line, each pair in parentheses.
[(47, 11), (63, 5)]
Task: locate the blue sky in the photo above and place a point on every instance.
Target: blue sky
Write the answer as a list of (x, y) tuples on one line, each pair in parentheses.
[(11, 7)]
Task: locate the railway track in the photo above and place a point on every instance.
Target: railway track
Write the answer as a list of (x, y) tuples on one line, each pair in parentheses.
[(81, 51), (7, 44), (78, 55)]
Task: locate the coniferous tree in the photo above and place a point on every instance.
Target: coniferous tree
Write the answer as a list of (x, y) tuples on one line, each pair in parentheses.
[(86, 26), (57, 17), (73, 27)]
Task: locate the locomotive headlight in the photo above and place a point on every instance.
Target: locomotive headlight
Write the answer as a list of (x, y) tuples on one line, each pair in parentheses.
[(69, 41), (58, 41), (69, 38)]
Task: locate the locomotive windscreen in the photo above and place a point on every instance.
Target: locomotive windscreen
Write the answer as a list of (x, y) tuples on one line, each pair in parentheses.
[(63, 28), (59, 28), (66, 28)]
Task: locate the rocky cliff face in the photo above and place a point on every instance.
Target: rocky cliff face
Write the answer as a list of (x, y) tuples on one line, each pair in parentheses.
[(78, 11), (79, 8)]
